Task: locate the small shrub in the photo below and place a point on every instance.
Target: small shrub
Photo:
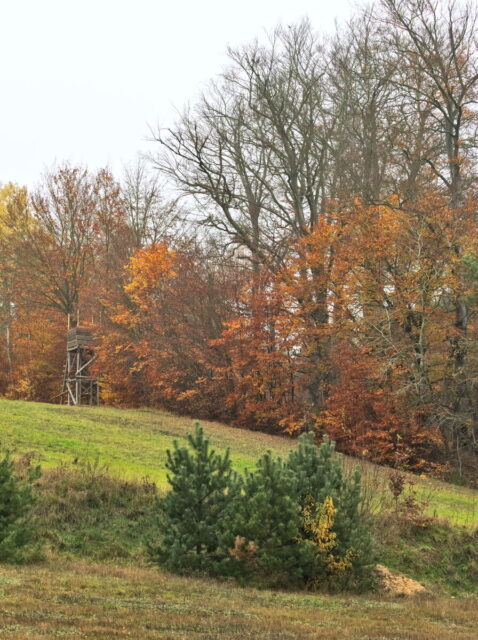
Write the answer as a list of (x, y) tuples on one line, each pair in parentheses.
[(407, 511), (17, 530), (319, 527)]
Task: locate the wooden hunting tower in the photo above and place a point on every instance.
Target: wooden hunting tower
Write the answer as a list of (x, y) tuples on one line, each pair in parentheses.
[(79, 387)]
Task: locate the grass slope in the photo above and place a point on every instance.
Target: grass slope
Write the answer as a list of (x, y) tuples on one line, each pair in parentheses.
[(85, 600), (84, 512), (133, 443)]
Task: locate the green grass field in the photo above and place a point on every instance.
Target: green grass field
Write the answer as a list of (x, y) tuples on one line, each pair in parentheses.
[(133, 443)]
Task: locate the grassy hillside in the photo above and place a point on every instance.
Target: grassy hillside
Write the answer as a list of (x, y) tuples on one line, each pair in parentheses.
[(84, 600), (85, 513), (133, 444)]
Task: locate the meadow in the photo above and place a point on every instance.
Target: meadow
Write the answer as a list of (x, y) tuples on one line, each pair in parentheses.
[(132, 443)]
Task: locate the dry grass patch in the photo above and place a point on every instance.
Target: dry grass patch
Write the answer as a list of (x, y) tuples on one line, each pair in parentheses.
[(82, 600)]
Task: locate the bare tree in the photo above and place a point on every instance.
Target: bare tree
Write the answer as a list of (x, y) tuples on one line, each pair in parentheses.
[(252, 151), (363, 99), (60, 237), (149, 215), (74, 237), (439, 43)]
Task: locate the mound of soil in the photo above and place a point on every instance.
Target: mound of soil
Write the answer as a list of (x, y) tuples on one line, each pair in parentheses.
[(396, 584)]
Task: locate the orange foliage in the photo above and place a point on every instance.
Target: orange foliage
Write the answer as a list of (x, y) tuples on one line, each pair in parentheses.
[(165, 331), (262, 365), (39, 355), (367, 417)]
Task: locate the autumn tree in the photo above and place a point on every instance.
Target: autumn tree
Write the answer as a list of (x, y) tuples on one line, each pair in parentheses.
[(440, 41), (66, 246), (177, 301), (14, 214)]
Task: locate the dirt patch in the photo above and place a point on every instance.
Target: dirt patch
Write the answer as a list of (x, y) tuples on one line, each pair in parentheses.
[(396, 584)]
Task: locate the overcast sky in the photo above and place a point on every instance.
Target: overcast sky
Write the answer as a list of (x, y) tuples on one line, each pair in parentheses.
[(82, 80)]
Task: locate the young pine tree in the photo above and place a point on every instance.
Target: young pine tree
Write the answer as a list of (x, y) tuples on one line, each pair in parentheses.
[(191, 515), (266, 525), (16, 500), (320, 481), (317, 472)]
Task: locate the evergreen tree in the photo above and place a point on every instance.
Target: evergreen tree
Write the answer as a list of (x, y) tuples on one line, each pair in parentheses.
[(16, 500), (191, 515), (266, 524), (317, 472), (319, 478)]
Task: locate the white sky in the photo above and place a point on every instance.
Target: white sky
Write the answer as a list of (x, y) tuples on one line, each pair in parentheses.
[(81, 80)]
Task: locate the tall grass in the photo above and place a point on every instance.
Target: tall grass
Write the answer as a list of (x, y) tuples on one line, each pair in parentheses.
[(83, 511)]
